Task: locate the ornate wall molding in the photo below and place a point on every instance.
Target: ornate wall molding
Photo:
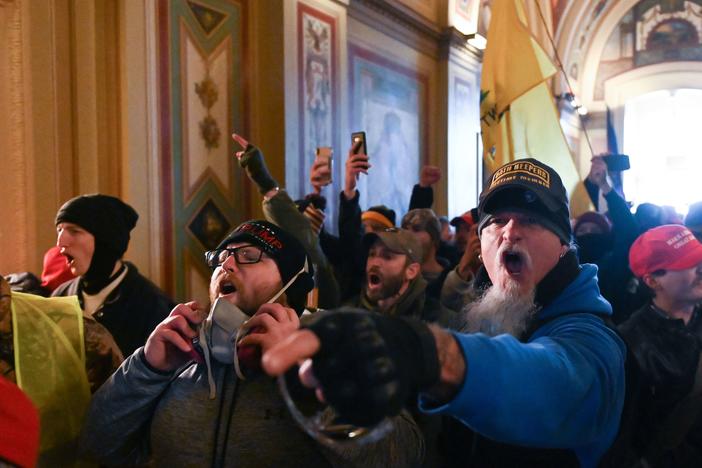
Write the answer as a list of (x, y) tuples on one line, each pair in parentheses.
[(399, 22), (409, 27), (454, 44)]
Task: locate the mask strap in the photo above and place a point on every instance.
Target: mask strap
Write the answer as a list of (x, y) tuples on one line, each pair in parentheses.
[(304, 269), (237, 367), (206, 352)]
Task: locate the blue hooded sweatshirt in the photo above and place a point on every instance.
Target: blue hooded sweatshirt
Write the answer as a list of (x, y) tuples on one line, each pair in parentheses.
[(564, 388)]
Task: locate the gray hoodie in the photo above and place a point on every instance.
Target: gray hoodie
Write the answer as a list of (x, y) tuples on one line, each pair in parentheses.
[(140, 415)]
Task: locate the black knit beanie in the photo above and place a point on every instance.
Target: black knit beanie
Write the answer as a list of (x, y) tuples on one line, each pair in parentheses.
[(110, 221), (285, 250)]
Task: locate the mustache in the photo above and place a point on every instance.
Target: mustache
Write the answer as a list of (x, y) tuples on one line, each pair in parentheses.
[(374, 271)]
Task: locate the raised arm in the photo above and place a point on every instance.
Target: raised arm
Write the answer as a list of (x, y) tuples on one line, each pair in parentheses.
[(423, 192)]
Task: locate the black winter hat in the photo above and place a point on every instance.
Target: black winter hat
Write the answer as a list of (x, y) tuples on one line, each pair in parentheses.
[(532, 187), (107, 218), (287, 252), (387, 215)]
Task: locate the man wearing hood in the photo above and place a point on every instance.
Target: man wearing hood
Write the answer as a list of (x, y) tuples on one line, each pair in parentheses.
[(195, 396), (93, 235), (536, 374)]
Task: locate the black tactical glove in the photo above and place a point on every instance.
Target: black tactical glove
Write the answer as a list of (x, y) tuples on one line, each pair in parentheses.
[(369, 365), (252, 160)]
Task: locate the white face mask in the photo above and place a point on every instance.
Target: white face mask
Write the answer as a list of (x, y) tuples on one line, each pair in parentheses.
[(221, 330)]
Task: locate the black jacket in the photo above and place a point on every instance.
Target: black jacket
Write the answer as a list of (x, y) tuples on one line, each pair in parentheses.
[(667, 352), (617, 283), (131, 312)]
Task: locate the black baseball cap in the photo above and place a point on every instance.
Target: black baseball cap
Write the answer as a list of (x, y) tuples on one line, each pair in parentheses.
[(531, 187)]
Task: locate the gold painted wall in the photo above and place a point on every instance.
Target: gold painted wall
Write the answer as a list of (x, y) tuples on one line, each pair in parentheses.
[(59, 129), (82, 100)]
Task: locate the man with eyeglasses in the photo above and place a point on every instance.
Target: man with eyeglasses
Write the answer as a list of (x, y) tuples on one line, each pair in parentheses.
[(665, 337), (194, 395)]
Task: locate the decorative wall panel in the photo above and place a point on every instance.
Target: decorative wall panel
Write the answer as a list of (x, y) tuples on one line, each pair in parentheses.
[(389, 102), (317, 85), (202, 101)]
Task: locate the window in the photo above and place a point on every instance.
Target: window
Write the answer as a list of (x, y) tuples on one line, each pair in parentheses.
[(663, 139)]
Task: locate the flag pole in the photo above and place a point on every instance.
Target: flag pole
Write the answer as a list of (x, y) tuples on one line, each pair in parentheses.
[(559, 64)]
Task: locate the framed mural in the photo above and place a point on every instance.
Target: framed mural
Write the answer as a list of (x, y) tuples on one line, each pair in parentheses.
[(317, 65), (389, 103), (201, 102)]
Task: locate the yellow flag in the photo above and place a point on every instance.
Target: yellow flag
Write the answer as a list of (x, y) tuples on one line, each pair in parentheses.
[(518, 118)]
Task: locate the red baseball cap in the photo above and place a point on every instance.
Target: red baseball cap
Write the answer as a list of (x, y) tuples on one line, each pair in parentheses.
[(466, 217), (669, 247)]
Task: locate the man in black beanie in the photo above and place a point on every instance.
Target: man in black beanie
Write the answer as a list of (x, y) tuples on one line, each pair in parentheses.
[(93, 235)]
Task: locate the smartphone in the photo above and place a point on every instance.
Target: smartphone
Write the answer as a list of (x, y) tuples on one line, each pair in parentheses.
[(617, 162), (325, 153), (355, 138)]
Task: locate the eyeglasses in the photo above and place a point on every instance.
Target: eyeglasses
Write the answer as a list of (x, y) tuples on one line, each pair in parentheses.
[(244, 255)]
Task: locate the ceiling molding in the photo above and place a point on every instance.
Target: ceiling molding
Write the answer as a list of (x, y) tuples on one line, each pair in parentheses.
[(409, 27), (454, 45)]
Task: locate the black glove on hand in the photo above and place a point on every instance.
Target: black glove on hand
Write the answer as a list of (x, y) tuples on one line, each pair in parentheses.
[(369, 365), (252, 160)]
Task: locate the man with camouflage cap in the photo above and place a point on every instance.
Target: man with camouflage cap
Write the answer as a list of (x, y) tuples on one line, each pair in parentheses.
[(393, 283)]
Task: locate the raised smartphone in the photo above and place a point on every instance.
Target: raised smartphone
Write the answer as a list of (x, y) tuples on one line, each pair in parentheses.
[(355, 138), (324, 153)]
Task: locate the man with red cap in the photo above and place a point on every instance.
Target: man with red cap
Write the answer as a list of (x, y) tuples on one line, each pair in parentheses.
[(665, 336)]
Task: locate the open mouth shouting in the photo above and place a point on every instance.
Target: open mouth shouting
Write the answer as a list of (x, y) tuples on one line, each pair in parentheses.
[(73, 263), (226, 287), (513, 261), (69, 259), (375, 280)]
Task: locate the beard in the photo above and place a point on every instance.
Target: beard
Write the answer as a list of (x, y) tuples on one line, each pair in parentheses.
[(499, 311), (390, 287)]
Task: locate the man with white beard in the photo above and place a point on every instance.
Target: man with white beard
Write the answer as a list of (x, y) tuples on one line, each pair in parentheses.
[(537, 376)]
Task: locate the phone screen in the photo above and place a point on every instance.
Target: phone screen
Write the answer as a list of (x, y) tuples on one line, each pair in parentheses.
[(355, 138)]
